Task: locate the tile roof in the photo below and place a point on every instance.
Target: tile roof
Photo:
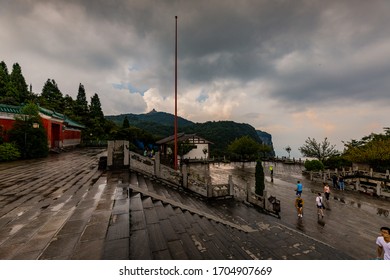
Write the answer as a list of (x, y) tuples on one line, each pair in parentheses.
[(17, 110)]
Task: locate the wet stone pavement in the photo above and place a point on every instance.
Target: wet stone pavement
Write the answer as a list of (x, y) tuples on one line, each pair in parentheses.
[(351, 221), (63, 207)]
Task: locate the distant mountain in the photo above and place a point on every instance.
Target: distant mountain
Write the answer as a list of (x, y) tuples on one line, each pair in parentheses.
[(266, 138), (151, 117), (221, 133)]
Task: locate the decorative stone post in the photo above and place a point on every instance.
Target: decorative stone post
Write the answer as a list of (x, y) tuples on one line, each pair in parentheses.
[(185, 176), (378, 188), (248, 192), (231, 189), (157, 164), (209, 187)]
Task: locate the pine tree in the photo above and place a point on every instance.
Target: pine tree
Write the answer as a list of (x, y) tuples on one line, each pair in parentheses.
[(81, 106), (96, 108), (4, 78), (17, 90), (51, 96), (259, 175)]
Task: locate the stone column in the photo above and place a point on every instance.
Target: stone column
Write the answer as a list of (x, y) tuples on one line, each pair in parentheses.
[(379, 189), (185, 176), (157, 165), (126, 159), (248, 192), (209, 187), (231, 187), (110, 152)]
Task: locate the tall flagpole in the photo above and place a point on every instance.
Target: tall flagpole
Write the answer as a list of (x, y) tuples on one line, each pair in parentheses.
[(175, 154)]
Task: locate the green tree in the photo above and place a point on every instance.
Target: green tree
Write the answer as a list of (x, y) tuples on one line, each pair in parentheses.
[(29, 134), (69, 107), (320, 151), (17, 91), (373, 150), (4, 78), (125, 123), (314, 165), (245, 147), (51, 96), (259, 177), (81, 106), (95, 111)]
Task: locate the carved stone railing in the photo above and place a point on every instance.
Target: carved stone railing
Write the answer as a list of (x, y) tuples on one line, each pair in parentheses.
[(153, 167)]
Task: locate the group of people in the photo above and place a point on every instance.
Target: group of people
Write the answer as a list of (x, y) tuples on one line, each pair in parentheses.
[(382, 242), (319, 200), (338, 182)]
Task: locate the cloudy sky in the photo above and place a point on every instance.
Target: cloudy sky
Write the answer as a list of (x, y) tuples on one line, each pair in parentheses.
[(295, 69)]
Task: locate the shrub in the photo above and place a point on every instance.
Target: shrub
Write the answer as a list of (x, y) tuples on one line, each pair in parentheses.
[(259, 175), (314, 165), (9, 152)]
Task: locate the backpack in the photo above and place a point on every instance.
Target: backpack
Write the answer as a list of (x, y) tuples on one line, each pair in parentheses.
[(299, 203)]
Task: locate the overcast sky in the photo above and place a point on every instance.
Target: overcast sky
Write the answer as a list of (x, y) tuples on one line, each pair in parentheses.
[(295, 69)]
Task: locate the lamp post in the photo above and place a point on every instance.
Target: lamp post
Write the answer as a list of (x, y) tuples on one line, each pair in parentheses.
[(175, 152)]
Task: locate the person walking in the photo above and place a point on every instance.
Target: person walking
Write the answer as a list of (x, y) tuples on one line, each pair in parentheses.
[(320, 205), (341, 183), (383, 244), (271, 170), (299, 205), (299, 188), (335, 181), (327, 194)]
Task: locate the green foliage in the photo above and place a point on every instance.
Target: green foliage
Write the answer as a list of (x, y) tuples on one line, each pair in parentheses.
[(245, 147), (373, 150), (320, 151), (81, 106), (222, 134), (337, 162), (13, 87), (9, 152), (51, 97), (4, 78), (259, 177), (126, 123), (28, 133), (314, 165)]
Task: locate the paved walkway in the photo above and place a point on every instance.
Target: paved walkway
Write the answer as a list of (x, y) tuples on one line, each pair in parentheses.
[(63, 207)]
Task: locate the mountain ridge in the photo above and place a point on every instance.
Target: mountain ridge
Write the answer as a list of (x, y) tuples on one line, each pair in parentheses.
[(221, 133)]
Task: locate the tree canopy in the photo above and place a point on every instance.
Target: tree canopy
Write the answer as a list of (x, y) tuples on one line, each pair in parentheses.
[(319, 150), (246, 147)]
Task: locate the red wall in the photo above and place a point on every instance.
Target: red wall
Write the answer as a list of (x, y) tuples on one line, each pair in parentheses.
[(53, 130), (5, 125)]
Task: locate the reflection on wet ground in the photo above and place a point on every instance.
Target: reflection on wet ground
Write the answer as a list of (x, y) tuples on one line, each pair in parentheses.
[(349, 214)]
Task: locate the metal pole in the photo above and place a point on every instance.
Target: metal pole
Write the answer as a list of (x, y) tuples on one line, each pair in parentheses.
[(175, 154)]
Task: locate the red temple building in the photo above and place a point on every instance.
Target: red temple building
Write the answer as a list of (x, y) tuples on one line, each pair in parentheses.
[(61, 131)]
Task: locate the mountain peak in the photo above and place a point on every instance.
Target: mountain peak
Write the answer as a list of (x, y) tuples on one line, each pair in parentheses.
[(152, 112)]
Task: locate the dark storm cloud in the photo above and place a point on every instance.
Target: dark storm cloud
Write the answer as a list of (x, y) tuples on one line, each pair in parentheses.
[(244, 41)]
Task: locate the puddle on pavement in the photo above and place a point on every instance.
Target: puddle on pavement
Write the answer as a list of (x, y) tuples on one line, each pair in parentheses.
[(15, 229), (57, 207), (372, 209), (101, 188)]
